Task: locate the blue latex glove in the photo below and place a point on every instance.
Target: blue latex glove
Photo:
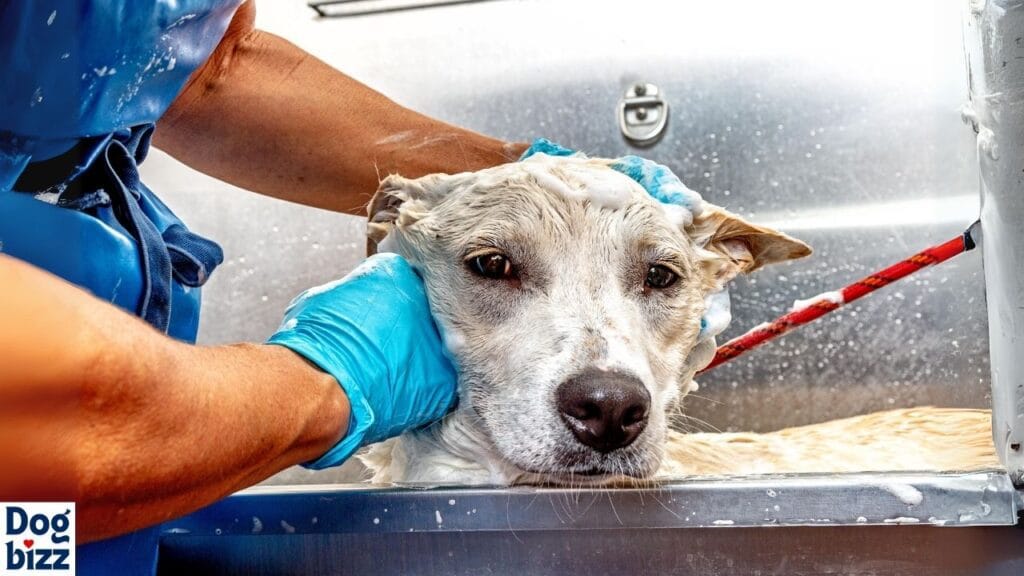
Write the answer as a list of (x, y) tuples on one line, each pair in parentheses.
[(663, 185), (372, 330)]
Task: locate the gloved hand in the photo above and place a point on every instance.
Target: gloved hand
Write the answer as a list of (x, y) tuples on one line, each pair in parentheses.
[(663, 185), (372, 330)]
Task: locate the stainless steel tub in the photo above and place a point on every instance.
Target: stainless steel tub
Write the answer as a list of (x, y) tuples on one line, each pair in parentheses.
[(836, 122), (932, 524)]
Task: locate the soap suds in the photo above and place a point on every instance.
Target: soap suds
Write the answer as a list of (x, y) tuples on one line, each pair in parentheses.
[(834, 297), (679, 216), (723, 522), (395, 138), (547, 180), (604, 188), (901, 520), (987, 142), (48, 197), (717, 314), (905, 492)]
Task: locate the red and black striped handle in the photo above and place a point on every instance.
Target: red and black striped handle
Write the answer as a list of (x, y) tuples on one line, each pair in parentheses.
[(819, 307)]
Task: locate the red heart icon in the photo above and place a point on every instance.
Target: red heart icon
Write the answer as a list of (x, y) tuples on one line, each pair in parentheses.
[(29, 543)]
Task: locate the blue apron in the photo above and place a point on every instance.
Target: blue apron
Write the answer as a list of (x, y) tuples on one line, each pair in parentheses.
[(81, 85)]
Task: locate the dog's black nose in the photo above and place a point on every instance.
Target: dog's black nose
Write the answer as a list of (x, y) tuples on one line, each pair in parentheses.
[(604, 410)]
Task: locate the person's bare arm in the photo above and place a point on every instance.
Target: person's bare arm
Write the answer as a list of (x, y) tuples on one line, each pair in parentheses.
[(99, 408), (266, 116)]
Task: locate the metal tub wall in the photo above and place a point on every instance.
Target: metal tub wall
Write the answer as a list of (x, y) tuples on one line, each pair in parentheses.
[(836, 122), (856, 524)]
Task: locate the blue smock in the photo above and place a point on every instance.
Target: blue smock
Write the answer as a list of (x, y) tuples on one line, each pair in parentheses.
[(82, 84)]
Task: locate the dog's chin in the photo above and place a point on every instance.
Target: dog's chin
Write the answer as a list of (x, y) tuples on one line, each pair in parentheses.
[(577, 470)]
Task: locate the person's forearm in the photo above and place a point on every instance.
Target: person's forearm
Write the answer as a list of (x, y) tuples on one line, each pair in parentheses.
[(266, 116), (99, 408)]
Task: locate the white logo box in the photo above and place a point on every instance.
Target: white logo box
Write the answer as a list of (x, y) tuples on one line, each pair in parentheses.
[(37, 538)]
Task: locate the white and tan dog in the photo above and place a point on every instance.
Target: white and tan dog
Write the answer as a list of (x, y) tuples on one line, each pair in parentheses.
[(571, 302)]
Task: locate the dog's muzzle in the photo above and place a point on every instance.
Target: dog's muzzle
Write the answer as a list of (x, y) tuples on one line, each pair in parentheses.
[(604, 410)]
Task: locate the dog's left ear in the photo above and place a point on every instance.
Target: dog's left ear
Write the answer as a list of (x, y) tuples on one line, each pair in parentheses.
[(400, 202), (731, 245)]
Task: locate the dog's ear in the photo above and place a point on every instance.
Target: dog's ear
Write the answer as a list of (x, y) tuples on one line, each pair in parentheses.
[(400, 202), (729, 245)]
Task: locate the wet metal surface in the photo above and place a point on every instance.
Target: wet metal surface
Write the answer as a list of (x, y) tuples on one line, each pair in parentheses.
[(836, 122), (993, 34), (854, 524)]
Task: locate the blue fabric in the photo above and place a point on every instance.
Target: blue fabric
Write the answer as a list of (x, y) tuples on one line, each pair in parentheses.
[(373, 331), (659, 182), (545, 146), (78, 68), (80, 87), (110, 234), (133, 554)]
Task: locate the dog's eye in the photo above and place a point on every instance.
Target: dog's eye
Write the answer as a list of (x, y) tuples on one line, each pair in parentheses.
[(660, 277), (493, 266)]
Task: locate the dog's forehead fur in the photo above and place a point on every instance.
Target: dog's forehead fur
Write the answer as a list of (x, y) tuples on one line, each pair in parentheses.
[(588, 215)]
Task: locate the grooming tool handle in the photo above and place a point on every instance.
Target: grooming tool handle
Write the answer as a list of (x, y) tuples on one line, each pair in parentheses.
[(822, 304)]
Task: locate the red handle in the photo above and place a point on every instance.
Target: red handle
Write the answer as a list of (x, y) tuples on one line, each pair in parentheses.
[(818, 307)]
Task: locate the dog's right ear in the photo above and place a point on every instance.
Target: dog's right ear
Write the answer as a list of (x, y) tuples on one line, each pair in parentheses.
[(731, 245), (398, 202)]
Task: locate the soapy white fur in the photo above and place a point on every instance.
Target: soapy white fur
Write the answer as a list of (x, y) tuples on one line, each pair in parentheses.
[(575, 178), (506, 428)]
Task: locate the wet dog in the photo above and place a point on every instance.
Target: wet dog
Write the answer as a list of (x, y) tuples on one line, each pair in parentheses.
[(572, 304)]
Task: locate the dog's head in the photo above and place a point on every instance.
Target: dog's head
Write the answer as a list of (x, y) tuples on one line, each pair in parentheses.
[(570, 300)]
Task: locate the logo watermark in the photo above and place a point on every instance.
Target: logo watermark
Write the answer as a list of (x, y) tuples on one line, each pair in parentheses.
[(37, 538)]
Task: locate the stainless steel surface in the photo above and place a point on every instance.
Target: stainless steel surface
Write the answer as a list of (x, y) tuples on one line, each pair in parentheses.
[(837, 122), (350, 8), (849, 551), (947, 499), (993, 34), (868, 524), (643, 114)]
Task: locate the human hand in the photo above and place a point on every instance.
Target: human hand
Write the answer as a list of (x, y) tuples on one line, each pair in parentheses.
[(372, 330)]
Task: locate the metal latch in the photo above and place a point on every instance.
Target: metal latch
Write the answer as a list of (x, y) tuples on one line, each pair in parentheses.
[(643, 114)]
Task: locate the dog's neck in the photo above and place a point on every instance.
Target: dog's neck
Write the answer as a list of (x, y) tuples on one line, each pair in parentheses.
[(454, 450)]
